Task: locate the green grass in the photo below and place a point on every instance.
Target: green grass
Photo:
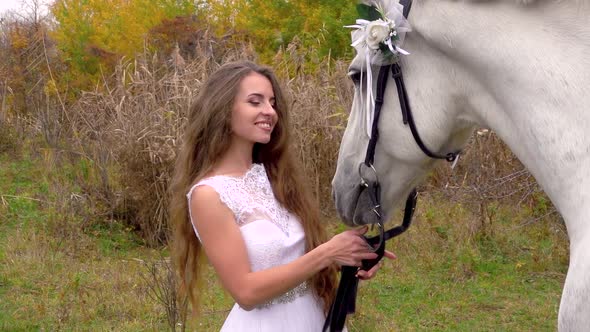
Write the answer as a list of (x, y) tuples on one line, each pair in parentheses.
[(53, 275), (452, 273), (491, 296), (440, 282)]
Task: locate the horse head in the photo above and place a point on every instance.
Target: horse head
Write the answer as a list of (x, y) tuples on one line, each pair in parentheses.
[(439, 99), (472, 63), (517, 67)]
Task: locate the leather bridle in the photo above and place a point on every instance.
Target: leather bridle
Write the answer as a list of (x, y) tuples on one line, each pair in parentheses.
[(345, 300)]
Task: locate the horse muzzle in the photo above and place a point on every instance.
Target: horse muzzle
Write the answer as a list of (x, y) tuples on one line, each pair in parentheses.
[(355, 206)]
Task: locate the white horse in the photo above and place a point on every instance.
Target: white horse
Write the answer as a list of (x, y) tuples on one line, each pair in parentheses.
[(521, 68)]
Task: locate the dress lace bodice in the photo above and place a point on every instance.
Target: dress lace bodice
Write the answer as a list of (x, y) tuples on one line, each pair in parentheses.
[(249, 197), (273, 236)]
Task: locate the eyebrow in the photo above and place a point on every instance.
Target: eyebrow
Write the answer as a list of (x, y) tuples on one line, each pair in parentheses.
[(259, 95)]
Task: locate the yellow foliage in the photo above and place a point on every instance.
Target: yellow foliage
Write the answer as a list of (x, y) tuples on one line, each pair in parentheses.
[(50, 88), (272, 25), (96, 33), (18, 40)]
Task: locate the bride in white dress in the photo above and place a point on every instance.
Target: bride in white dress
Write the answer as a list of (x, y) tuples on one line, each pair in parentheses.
[(238, 197)]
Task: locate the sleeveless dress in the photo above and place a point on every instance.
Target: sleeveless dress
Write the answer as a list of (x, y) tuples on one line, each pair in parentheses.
[(273, 236)]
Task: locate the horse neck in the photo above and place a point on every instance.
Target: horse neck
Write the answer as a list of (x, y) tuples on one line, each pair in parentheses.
[(554, 146), (529, 74)]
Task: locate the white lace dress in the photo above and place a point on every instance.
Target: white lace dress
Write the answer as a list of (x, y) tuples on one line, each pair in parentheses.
[(273, 237)]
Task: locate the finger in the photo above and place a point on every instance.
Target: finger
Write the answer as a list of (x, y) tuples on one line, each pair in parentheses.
[(364, 275), (363, 247), (389, 254), (367, 255), (353, 261), (362, 230), (374, 269), (359, 240)]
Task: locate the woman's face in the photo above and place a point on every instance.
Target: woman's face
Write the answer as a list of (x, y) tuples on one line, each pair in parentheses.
[(253, 114)]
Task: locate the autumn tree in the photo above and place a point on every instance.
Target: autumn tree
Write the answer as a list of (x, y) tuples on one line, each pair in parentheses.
[(94, 34), (272, 25)]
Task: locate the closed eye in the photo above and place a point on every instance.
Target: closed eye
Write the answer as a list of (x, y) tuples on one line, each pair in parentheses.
[(355, 77), (256, 103)]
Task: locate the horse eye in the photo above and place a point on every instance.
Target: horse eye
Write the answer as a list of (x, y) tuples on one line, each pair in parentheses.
[(355, 77)]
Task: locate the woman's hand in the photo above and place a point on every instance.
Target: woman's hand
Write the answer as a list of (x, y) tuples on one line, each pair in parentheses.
[(349, 248), (366, 275)]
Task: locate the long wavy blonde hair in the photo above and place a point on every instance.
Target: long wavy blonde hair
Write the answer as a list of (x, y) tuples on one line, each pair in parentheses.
[(207, 137)]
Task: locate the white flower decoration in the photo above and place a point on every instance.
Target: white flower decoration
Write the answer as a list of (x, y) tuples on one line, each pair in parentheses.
[(378, 32), (389, 31), (379, 36)]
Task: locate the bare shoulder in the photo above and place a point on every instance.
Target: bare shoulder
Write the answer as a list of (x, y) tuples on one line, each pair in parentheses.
[(203, 195), (218, 232), (206, 200), (209, 214)]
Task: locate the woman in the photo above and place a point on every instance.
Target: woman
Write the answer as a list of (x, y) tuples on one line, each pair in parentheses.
[(238, 195)]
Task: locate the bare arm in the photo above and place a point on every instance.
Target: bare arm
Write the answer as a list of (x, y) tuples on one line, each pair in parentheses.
[(223, 243)]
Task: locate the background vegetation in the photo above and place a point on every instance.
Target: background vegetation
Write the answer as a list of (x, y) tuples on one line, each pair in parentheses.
[(93, 98)]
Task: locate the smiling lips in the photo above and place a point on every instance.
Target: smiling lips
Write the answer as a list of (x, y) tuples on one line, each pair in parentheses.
[(264, 125)]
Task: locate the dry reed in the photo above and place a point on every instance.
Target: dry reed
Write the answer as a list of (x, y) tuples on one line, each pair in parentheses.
[(129, 129)]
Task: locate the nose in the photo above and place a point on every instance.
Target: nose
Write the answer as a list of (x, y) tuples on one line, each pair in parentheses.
[(268, 109)]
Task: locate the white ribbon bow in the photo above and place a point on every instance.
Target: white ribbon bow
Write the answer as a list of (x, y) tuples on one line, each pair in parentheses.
[(390, 30)]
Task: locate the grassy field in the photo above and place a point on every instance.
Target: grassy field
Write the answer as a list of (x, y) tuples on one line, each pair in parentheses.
[(60, 271)]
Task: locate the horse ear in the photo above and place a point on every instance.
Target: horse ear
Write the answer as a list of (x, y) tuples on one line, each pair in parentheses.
[(367, 12)]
